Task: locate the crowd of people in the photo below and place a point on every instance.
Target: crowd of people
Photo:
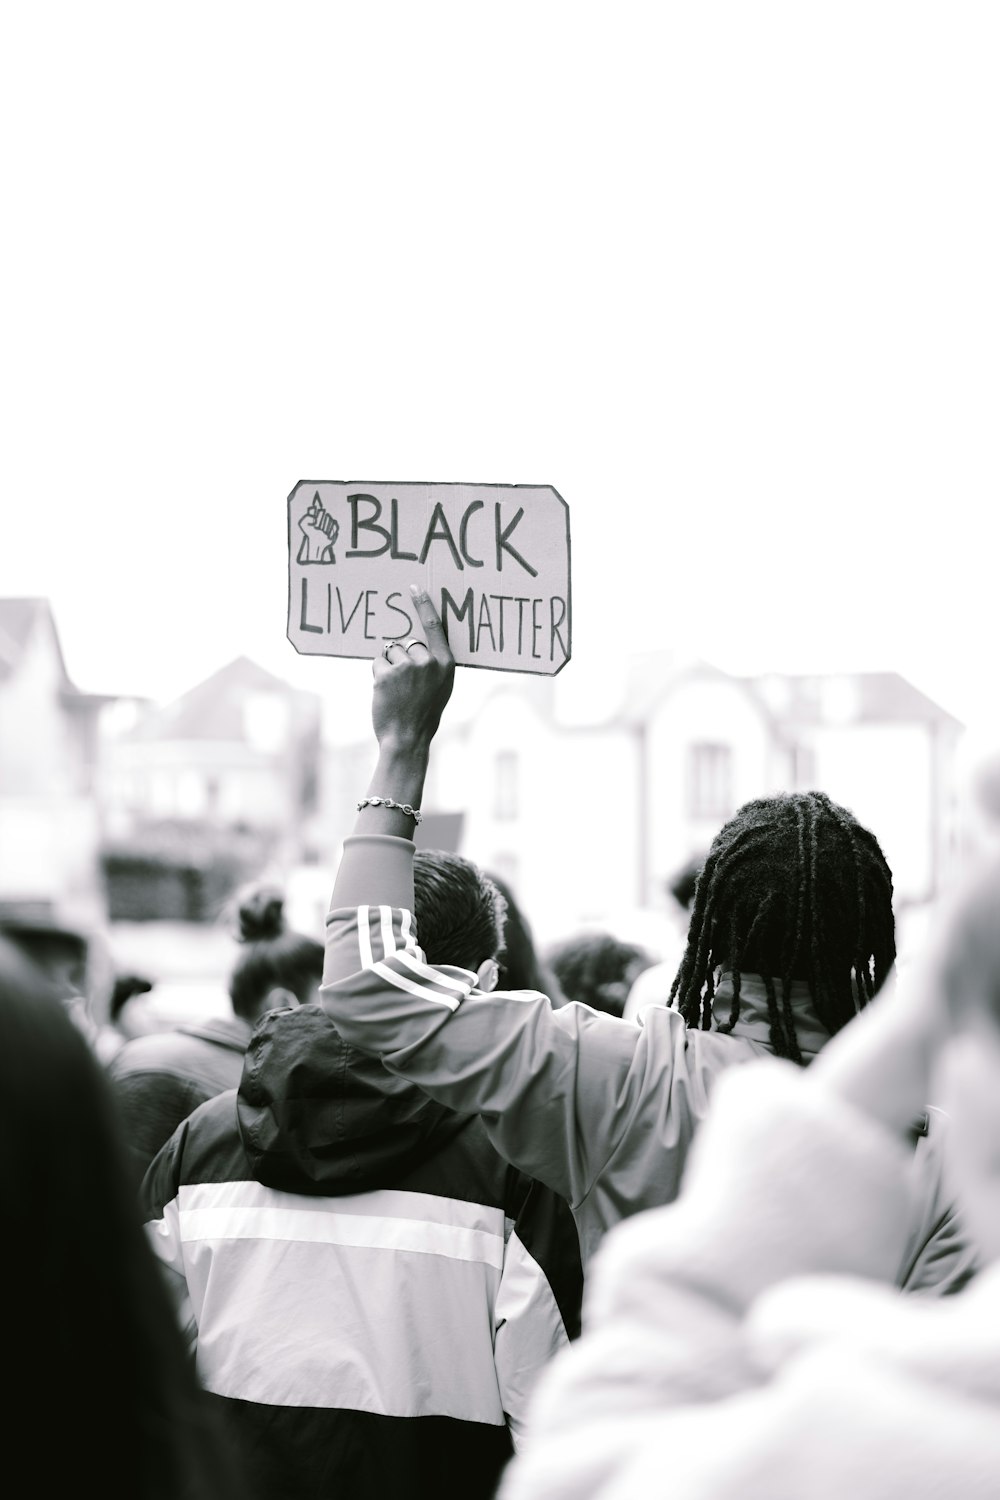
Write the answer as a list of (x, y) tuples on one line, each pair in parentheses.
[(433, 1212)]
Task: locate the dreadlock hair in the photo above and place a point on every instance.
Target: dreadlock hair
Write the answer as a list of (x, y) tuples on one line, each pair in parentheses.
[(793, 887)]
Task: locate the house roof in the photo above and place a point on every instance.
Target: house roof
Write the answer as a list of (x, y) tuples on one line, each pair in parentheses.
[(852, 697), (213, 709), (788, 700), (649, 675), (18, 618)]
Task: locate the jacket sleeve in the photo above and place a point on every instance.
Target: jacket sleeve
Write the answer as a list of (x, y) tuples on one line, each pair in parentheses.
[(159, 1199), (556, 1088), (529, 1331), (541, 1289), (781, 1183)]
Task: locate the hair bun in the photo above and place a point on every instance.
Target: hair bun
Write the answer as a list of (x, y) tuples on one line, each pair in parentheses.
[(261, 915)]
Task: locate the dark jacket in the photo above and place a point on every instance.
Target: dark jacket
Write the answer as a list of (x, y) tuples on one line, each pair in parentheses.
[(159, 1079), (371, 1289)]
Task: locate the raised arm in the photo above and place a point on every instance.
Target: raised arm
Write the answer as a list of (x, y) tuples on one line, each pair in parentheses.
[(556, 1088)]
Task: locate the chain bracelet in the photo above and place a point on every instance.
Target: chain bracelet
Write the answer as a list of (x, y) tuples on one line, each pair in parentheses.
[(403, 807)]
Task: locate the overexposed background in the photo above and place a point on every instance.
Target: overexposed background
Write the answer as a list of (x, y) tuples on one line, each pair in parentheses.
[(723, 274)]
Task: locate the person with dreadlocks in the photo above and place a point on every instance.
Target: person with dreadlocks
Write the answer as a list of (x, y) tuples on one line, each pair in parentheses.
[(791, 935), (792, 1368), (793, 910)]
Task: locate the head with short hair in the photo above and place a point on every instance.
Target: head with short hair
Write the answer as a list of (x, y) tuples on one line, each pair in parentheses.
[(460, 912), (683, 882), (272, 958), (59, 951), (793, 887)]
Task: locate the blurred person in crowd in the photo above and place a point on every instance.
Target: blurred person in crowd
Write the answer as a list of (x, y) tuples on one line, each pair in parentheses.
[(127, 1009), (737, 1344), (597, 969), (652, 986), (160, 1078), (791, 935), (73, 959), (371, 1288), (101, 1398), (519, 963)]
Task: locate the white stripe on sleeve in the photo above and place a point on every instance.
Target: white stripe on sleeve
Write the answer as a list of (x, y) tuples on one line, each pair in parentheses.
[(424, 991), (364, 938), (388, 936)]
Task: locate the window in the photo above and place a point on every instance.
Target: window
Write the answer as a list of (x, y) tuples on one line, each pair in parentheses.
[(505, 771), (710, 781)]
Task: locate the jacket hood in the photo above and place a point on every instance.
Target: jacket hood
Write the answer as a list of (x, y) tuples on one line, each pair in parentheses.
[(318, 1116)]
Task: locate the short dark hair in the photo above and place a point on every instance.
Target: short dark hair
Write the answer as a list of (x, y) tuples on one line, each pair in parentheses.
[(597, 969), (684, 881), (459, 910), (272, 957), (793, 887)]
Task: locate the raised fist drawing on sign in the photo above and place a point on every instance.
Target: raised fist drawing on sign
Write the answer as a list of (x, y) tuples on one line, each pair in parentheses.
[(319, 532)]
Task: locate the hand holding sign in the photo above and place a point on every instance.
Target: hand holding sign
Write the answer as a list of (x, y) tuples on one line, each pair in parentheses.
[(413, 682)]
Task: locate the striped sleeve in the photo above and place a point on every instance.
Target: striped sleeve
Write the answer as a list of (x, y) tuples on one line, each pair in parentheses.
[(556, 1088)]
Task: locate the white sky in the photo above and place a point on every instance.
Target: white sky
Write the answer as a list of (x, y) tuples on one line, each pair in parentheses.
[(726, 275)]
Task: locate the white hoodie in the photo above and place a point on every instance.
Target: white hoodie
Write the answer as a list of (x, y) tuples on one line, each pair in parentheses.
[(737, 1344)]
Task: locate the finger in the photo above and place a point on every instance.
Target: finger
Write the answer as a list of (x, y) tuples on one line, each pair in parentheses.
[(380, 667), (437, 640), (393, 646)]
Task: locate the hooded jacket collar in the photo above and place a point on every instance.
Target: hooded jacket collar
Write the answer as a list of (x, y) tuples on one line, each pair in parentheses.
[(317, 1116)]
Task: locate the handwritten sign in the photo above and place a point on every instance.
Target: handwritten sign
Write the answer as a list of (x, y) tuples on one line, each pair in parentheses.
[(493, 557)]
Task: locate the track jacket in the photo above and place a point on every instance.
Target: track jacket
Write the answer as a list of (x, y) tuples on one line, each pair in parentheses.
[(360, 1273), (600, 1109)]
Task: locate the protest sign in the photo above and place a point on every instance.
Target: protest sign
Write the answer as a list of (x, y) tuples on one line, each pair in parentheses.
[(495, 559)]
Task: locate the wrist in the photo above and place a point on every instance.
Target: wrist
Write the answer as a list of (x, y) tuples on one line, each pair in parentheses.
[(404, 746), (400, 773)]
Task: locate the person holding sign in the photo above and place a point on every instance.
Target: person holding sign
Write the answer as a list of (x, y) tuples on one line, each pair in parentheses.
[(793, 910)]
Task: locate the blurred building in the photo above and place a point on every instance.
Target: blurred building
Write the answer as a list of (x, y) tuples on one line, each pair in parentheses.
[(49, 819), (207, 790), (871, 740), (587, 814)]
